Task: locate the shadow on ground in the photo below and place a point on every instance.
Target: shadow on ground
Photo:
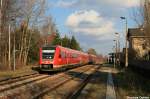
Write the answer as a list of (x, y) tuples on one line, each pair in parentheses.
[(129, 83)]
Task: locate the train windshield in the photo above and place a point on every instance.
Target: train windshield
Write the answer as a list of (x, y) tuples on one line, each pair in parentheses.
[(48, 52)]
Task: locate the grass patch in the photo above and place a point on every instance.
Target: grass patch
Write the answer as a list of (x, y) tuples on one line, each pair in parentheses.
[(19, 72), (129, 83)]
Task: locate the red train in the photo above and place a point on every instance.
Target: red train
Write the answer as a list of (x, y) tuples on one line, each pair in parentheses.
[(57, 57)]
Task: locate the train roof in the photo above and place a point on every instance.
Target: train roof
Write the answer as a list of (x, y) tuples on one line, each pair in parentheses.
[(70, 49)]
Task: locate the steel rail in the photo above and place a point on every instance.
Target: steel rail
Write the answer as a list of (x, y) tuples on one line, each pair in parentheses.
[(42, 93), (81, 85)]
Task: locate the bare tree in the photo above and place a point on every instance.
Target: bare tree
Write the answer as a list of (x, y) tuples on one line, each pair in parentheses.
[(8, 14), (24, 17), (138, 14), (147, 17), (48, 26), (141, 16), (32, 11), (92, 51)]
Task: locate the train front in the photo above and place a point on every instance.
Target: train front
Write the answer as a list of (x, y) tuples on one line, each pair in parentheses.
[(47, 57)]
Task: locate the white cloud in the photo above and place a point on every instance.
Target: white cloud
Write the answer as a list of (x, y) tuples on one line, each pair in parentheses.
[(120, 3), (90, 23), (132, 3), (87, 3), (96, 27), (90, 16), (62, 3)]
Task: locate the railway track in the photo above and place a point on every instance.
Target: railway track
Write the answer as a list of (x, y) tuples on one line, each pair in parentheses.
[(56, 85), (14, 83), (73, 94), (8, 88), (18, 78), (78, 89)]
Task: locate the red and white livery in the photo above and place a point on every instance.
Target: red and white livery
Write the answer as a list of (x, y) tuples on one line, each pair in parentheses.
[(58, 56)]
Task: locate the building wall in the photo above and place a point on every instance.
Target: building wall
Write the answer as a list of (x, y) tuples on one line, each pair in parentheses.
[(137, 47)]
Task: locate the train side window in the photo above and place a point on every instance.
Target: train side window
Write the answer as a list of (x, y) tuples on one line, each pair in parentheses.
[(66, 55), (69, 55), (74, 55), (63, 54)]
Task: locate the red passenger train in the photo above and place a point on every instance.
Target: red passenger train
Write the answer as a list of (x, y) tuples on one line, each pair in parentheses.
[(57, 57)]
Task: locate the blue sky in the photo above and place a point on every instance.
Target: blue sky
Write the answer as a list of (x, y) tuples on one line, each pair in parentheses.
[(93, 22)]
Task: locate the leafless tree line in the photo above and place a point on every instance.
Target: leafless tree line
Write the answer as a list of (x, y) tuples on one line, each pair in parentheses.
[(147, 20), (141, 16), (26, 19)]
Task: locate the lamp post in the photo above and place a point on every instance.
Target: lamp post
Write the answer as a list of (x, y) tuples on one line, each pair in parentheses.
[(117, 48), (126, 43), (115, 51), (114, 56)]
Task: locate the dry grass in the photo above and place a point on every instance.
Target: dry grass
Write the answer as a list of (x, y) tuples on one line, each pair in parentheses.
[(129, 83), (22, 71)]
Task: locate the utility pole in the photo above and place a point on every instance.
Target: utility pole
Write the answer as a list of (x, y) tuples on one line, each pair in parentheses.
[(118, 48), (126, 42), (9, 60), (126, 64), (14, 67), (0, 16), (1, 4), (114, 57), (115, 52)]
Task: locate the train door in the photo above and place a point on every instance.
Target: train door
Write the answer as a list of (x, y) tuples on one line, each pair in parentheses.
[(67, 61), (63, 57)]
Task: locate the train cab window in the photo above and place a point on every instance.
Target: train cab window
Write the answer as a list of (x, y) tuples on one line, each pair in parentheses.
[(47, 55), (48, 52)]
